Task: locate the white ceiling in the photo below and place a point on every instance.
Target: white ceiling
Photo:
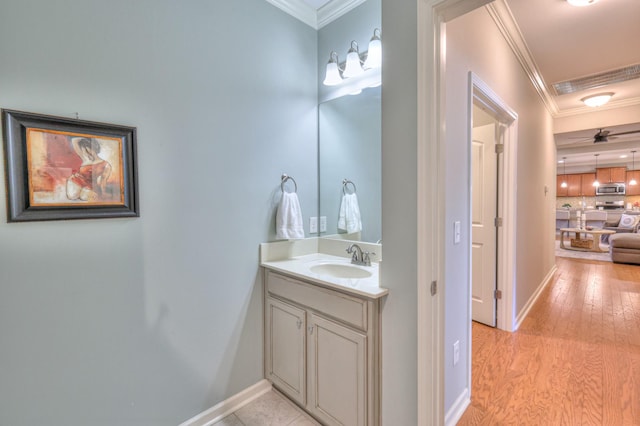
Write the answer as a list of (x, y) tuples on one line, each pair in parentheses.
[(558, 42), (568, 42)]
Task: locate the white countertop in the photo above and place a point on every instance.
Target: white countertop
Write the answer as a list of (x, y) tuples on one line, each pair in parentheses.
[(298, 267)]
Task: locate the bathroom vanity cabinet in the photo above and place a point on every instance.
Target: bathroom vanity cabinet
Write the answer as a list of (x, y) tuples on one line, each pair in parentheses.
[(322, 349)]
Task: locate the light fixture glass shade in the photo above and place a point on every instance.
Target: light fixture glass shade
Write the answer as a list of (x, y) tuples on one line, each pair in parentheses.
[(374, 54), (332, 76), (563, 184), (353, 66), (633, 182), (597, 100), (596, 183), (581, 2)]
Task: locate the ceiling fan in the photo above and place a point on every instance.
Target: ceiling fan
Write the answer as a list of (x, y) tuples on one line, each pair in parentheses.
[(603, 135)]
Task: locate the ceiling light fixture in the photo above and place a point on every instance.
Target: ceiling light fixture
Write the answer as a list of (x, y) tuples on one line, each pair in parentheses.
[(597, 99), (595, 182), (633, 179), (360, 70), (581, 3), (564, 173)]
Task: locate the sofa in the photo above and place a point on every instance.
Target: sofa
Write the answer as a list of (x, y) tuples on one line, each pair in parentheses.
[(625, 248), (628, 223)]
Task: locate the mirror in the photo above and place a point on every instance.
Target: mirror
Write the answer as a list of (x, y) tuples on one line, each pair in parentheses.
[(350, 148)]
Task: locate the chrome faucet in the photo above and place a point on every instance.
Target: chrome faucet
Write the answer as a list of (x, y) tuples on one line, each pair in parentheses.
[(358, 257)]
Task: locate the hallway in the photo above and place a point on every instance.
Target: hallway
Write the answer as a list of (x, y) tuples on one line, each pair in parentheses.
[(575, 359)]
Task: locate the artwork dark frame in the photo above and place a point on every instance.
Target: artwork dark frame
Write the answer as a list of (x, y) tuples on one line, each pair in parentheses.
[(59, 168)]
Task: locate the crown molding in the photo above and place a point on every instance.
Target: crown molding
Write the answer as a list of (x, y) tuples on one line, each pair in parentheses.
[(506, 23), (299, 10), (316, 19), (335, 9)]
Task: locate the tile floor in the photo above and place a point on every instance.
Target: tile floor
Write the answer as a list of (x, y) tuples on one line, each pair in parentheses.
[(271, 409)]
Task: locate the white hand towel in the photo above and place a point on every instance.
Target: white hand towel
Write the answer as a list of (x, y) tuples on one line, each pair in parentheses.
[(289, 217), (349, 219)]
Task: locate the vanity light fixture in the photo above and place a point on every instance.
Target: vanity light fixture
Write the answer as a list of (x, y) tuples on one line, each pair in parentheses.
[(597, 99), (374, 54), (595, 182), (633, 167), (332, 77), (564, 173), (353, 67), (360, 70), (581, 3)]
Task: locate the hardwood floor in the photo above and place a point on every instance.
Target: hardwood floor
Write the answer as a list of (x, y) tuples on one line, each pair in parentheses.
[(575, 359)]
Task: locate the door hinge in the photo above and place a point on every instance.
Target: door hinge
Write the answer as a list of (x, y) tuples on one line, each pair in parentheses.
[(497, 294), (434, 288), (497, 222), (499, 148)]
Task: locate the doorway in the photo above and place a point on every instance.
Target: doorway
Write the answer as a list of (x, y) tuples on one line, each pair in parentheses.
[(495, 297), (485, 174)]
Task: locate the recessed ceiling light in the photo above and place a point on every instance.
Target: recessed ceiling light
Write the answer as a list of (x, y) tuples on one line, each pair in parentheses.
[(581, 3), (597, 100), (624, 156), (561, 161)]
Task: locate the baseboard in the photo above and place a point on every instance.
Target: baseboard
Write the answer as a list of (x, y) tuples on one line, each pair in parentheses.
[(458, 408), (534, 297), (229, 405)]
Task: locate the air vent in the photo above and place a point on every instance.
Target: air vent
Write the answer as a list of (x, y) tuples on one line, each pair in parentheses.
[(597, 80)]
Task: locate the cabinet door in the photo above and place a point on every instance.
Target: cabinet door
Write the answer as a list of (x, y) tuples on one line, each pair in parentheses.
[(337, 373), (603, 175), (560, 191), (633, 189), (588, 190), (285, 348), (618, 174), (575, 185)]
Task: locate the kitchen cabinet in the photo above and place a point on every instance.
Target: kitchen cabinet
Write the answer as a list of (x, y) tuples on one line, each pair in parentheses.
[(587, 188), (322, 350), (611, 174), (560, 191), (578, 185), (633, 189)]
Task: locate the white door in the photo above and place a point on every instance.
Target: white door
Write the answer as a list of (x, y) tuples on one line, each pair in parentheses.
[(484, 196)]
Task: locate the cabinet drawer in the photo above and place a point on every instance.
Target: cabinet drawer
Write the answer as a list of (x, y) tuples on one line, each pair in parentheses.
[(350, 310)]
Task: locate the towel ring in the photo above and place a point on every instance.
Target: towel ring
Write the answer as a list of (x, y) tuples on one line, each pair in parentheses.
[(346, 182), (284, 178)]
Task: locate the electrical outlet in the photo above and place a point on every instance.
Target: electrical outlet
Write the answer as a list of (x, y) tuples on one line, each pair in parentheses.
[(313, 225), (323, 224), (456, 232), (456, 352)]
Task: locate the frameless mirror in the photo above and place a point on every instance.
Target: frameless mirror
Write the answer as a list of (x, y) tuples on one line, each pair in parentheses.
[(350, 148)]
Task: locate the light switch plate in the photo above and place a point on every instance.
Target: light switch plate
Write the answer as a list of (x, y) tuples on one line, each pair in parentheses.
[(313, 225), (323, 224), (456, 232)]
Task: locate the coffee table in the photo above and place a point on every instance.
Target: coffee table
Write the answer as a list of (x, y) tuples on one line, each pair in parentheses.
[(596, 233)]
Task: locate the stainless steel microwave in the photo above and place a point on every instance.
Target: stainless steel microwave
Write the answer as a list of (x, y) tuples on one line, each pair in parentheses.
[(611, 189)]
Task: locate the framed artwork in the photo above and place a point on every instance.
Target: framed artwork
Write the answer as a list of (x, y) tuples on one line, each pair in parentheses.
[(61, 168)]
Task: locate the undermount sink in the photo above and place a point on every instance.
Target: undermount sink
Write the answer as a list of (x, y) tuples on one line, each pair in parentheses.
[(340, 270)]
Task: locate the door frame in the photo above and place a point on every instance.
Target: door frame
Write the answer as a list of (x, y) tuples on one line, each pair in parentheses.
[(481, 94), (431, 96)]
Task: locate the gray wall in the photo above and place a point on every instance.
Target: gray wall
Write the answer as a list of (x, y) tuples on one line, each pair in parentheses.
[(149, 321), (399, 212)]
